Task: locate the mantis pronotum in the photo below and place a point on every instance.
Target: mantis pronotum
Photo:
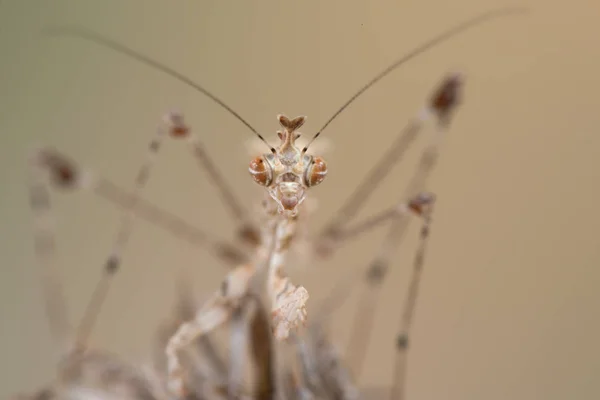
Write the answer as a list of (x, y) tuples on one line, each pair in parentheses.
[(287, 174)]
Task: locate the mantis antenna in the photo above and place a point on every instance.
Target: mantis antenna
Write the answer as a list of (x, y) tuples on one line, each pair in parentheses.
[(111, 44), (444, 36)]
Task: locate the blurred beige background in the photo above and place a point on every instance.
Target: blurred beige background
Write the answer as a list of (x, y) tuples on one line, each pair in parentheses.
[(509, 303)]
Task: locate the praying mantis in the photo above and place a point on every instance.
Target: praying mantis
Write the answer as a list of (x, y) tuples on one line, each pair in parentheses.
[(287, 174)]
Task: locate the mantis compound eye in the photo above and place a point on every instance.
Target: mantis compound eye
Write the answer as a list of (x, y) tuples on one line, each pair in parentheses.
[(261, 171), (316, 172)]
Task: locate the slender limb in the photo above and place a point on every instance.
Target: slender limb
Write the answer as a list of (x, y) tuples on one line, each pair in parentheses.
[(364, 315), (247, 230), (44, 239), (77, 364), (363, 320), (225, 252), (215, 313), (64, 174), (442, 105), (325, 247), (326, 370), (205, 360), (371, 222), (217, 180), (339, 294), (374, 177), (369, 299), (399, 374), (238, 341), (57, 163), (123, 235)]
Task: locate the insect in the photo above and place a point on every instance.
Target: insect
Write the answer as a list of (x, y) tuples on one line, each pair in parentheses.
[(256, 297)]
